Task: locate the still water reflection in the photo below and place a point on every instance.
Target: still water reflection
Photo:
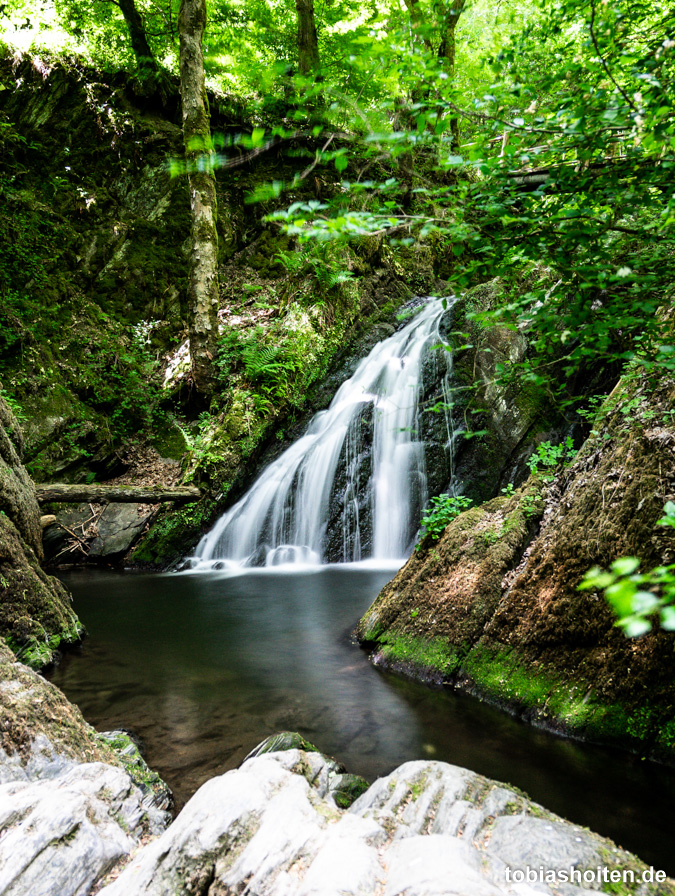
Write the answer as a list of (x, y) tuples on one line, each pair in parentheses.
[(203, 667)]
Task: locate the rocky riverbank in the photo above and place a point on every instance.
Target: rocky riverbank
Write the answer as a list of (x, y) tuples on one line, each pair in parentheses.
[(290, 821)]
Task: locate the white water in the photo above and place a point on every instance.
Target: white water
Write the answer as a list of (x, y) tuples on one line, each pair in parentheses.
[(284, 517)]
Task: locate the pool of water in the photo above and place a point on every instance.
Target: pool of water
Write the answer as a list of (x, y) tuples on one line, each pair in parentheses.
[(204, 666)]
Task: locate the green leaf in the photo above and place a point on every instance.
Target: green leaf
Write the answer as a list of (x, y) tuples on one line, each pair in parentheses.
[(669, 518), (634, 626), (625, 566), (644, 602), (668, 618)]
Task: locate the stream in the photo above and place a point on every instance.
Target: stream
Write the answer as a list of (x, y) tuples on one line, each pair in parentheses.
[(203, 666)]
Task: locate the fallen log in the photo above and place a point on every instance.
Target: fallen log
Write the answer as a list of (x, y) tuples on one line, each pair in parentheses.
[(116, 494)]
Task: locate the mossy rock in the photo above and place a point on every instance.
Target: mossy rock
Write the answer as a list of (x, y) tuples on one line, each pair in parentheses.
[(498, 612), (345, 788), (36, 617), (37, 716), (441, 601), (129, 754)]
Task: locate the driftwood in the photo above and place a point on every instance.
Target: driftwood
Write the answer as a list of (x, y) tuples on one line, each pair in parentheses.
[(118, 494)]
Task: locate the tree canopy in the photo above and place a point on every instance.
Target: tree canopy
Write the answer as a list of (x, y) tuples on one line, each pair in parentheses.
[(535, 144)]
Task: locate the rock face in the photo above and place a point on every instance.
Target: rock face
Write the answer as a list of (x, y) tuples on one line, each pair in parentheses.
[(35, 612), (510, 417), (17, 494), (70, 805), (521, 634), (428, 829)]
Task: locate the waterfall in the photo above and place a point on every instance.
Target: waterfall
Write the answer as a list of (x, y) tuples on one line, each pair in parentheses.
[(357, 479)]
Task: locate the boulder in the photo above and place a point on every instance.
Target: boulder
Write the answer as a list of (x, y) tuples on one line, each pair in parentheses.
[(272, 828), (72, 802), (96, 533), (61, 834)]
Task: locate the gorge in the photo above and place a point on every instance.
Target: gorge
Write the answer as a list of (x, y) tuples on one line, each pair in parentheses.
[(337, 448)]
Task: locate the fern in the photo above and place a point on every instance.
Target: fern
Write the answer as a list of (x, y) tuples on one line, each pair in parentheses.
[(269, 367), (338, 277), (293, 262), (261, 360)]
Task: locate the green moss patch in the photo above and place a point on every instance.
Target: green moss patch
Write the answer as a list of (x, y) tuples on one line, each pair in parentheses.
[(418, 653)]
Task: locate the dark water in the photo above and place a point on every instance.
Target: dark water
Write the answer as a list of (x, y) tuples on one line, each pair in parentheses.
[(204, 667)]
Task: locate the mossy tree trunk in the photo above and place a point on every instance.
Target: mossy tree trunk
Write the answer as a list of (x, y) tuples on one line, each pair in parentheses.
[(308, 44), (203, 282), (139, 40)]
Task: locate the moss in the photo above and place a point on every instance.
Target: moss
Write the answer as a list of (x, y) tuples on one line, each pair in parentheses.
[(129, 755), (346, 789), (174, 534), (448, 590), (35, 613), (414, 652), (506, 677), (501, 676), (39, 650)]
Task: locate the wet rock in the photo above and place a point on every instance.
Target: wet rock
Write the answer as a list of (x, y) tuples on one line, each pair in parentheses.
[(429, 829), (332, 777), (280, 743), (156, 793), (349, 530), (509, 417)]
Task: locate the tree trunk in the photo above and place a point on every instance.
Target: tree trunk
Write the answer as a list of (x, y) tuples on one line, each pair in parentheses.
[(416, 20), (139, 41), (117, 494), (203, 283), (446, 52), (308, 44)]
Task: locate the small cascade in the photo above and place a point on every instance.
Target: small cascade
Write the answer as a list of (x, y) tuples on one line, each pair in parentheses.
[(354, 485)]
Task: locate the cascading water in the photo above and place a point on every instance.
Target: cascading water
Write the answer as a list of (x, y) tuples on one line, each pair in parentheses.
[(360, 460)]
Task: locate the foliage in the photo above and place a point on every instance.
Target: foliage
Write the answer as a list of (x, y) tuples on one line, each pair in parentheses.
[(442, 511), (547, 457), (636, 597), (561, 190), (269, 366), (14, 405), (320, 262)]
